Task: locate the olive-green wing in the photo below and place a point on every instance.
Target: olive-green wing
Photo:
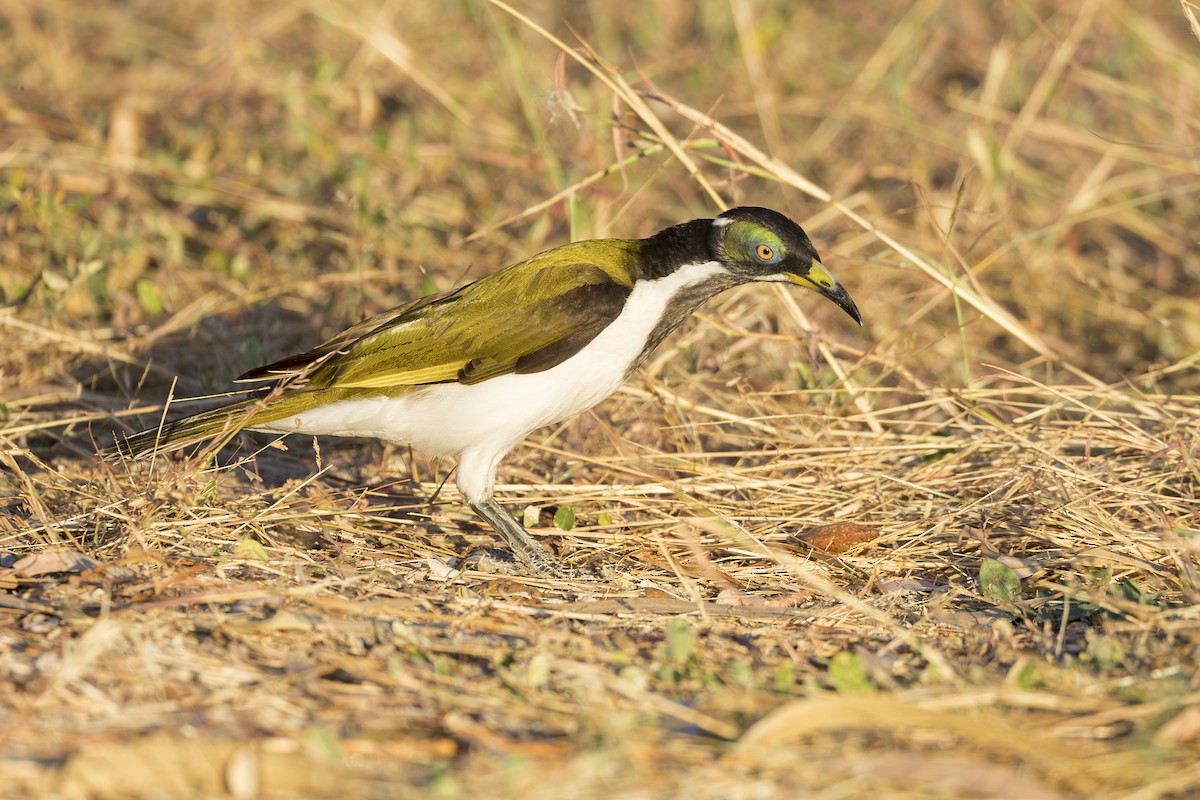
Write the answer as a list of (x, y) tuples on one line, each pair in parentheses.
[(526, 318), (301, 365)]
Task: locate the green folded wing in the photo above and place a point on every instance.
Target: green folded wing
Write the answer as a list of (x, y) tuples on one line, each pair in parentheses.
[(526, 318)]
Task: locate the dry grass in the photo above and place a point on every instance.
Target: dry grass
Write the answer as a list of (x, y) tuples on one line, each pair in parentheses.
[(1009, 191)]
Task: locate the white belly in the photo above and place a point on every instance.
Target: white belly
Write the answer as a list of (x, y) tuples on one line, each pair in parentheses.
[(448, 419)]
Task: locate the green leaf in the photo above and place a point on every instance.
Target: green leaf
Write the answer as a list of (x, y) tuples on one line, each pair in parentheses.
[(849, 675), (55, 281), (564, 518), (1106, 651), (240, 268), (321, 741), (681, 638), (785, 677), (537, 670), (1029, 676), (149, 298), (1130, 590), (743, 675), (604, 518), (999, 581), (251, 550)]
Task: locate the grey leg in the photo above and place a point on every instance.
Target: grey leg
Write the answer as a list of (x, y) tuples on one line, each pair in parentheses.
[(524, 546)]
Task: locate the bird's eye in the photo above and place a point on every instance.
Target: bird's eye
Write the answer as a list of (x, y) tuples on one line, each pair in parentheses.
[(764, 252)]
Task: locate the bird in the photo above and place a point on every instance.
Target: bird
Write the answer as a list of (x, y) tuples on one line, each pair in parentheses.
[(470, 373)]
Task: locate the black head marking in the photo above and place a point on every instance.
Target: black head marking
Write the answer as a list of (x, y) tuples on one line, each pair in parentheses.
[(752, 244), (758, 243)]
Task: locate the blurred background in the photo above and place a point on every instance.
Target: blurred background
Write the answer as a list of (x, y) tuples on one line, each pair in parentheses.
[(205, 186)]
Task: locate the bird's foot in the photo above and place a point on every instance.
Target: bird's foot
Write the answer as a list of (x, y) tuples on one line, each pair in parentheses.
[(535, 563), (526, 551), (492, 560)]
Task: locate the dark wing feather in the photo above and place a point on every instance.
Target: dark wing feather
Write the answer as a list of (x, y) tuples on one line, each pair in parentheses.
[(593, 307)]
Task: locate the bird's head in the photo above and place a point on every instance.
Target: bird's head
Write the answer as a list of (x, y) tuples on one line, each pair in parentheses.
[(758, 244)]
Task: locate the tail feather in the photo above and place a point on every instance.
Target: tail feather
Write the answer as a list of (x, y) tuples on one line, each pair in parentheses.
[(223, 421), (227, 420)]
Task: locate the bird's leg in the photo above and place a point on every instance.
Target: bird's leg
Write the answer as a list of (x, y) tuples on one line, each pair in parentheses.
[(524, 546)]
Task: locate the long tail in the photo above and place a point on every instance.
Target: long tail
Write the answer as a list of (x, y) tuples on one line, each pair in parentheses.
[(219, 422), (261, 409), (223, 421)]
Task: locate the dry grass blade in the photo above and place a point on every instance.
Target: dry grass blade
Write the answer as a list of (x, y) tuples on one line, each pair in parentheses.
[(1189, 13), (376, 34), (804, 718), (786, 174), (612, 77)]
